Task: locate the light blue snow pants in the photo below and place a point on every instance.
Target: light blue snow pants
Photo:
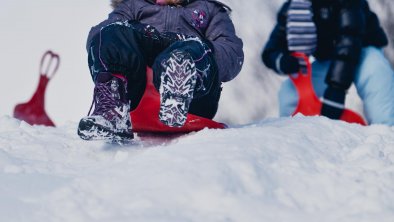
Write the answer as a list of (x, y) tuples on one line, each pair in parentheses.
[(374, 82)]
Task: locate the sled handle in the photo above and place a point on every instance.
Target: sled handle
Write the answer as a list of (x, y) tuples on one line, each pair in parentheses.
[(51, 61)]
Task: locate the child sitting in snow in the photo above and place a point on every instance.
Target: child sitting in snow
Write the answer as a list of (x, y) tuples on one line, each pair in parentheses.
[(191, 46), (346, 39)]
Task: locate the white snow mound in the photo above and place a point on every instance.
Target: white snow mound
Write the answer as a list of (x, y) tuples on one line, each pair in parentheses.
[(284, 169)]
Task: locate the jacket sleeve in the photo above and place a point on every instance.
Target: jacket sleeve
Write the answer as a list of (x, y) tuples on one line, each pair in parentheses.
[(351, 22), (227, 47), (375, 34), (122, 12), (277, 43)]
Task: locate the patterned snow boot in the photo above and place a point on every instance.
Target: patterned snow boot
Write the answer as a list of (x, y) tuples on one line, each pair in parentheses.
[(110, 119), (178, 80)]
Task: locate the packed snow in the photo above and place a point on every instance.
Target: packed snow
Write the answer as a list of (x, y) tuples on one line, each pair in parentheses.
[(263, 168), (288, 169)]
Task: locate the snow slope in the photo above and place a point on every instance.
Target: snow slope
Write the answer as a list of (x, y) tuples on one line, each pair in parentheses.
[(289, 169)]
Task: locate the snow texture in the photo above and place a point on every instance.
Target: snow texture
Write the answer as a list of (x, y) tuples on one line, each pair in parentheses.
[(288, 169)]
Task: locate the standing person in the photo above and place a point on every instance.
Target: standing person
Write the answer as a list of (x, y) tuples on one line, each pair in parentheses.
[(191, 46), (346, 39)]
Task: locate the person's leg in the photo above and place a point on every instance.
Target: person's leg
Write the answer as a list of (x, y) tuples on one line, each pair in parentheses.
[(186, 76), (288, 97), (374, 82), (207, 105), (125, 48), (118, 55), (319, 73)]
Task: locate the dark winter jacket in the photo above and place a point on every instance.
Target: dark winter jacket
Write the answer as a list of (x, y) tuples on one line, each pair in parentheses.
[(343, 28), (206, 19)]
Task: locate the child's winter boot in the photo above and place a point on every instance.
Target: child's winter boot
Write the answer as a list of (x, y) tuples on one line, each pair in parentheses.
[(110, 118)]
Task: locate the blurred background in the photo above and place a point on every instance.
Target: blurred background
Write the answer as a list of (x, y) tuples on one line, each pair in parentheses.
[(29, 28)]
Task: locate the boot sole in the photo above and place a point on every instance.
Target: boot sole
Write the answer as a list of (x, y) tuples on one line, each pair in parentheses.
[(176, 89), (89, 130)]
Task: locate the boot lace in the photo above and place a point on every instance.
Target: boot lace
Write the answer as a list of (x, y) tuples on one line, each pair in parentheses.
[(106, 101)]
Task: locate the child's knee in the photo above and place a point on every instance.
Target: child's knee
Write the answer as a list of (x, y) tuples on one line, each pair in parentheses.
[(372, 58), (373, 65)]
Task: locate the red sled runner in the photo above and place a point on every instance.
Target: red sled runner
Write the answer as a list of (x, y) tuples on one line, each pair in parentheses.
[(309, 104), (145, 118), (33, 111)]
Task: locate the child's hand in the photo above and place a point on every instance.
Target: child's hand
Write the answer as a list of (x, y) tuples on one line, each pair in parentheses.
[(288, 64)]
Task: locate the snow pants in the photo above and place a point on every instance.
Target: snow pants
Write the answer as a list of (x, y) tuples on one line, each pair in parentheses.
[(374, 81), (129, 47)]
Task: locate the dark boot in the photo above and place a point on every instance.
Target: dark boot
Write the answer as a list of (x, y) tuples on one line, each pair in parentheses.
[(110, 118), (178, 80)]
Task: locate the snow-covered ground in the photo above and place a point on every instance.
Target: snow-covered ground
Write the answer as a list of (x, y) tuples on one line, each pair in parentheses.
[(291, 169)]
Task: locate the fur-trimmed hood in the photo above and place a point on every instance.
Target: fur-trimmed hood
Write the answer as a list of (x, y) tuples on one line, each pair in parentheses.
[(115, 3)]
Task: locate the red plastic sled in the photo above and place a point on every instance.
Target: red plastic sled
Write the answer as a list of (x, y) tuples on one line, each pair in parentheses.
[(309, 104), (33, 111), (145, 118)]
